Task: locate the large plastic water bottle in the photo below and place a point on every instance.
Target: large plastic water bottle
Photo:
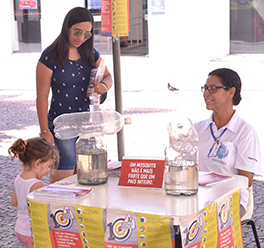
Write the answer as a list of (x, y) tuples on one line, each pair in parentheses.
[(103, 122)]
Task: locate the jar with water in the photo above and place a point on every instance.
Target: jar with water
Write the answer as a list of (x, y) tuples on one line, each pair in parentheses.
[(181, 172), (91, 160), (181, 159)]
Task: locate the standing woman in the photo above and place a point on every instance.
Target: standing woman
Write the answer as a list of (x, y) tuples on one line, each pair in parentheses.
[(65, 67), (227, 144)]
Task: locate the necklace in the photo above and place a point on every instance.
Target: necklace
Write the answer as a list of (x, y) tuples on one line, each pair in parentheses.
[(218, 149), (216, 139)]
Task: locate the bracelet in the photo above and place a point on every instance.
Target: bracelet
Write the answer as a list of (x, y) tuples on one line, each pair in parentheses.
[(104, 84), (44, 131)]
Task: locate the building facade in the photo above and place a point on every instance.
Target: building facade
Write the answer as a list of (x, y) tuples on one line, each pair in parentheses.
[(183, 30)]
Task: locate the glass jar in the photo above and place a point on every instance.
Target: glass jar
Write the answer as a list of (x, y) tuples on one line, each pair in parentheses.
[(91, 160), (181, 172)]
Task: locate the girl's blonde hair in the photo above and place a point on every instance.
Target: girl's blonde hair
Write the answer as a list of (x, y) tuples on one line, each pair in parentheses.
[(33, 149)]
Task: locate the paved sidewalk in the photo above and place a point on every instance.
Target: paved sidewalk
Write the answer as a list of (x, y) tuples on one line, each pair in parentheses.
[(149, 103)]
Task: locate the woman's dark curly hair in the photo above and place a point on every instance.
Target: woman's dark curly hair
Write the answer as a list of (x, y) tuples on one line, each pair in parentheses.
[(230, 79)]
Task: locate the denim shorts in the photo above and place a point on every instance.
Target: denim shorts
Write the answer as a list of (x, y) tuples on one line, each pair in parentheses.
[(67, 150)]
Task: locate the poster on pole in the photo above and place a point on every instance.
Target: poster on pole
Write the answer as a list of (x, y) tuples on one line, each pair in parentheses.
[(115, 18), (106, 26)]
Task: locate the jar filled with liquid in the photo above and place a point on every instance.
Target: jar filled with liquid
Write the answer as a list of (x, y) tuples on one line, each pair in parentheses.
[(91, 160), (181, 172)]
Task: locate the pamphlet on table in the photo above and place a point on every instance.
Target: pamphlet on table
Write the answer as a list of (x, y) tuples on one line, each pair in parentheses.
[(61, 193), (212, 178)]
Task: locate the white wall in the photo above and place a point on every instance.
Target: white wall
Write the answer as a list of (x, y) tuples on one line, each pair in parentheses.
[(6, 18), (190, 27), (14, 30), (186, 37), (52, 18), (217, 30), (188, 31)]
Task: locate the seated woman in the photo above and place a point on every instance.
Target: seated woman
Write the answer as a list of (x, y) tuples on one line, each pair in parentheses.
[(227, 144)]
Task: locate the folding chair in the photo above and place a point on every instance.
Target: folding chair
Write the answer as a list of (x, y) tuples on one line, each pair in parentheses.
[(246, 218)]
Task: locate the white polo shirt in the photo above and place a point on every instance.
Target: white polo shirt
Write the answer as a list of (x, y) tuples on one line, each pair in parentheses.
[(238, 148)]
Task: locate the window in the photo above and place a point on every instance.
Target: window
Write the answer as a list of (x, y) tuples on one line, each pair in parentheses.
[(246, 26)]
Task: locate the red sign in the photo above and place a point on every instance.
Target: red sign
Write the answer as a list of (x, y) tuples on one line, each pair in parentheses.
[(142, 172), (28, 4), (106, 22)]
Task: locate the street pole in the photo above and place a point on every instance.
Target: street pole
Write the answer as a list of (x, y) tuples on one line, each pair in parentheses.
[(118, 94)]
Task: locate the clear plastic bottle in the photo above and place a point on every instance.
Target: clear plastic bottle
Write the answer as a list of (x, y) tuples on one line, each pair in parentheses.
[(94, 102), (81, 123), (91, 160)]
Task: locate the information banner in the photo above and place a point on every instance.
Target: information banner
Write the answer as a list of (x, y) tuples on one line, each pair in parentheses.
[(142, 172), (235, 219), (64, 226), (136, 230), (217, 225), (115, 18), (120, 17), (38, 214), (155, 231), (229, 224), (91, 225), (106, 20), (200, 229)]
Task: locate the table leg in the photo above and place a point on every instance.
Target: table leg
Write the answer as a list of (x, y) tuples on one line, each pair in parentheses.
[(178, 241)]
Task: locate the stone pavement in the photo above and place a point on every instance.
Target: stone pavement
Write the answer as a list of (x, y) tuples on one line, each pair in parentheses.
[(150, 105)]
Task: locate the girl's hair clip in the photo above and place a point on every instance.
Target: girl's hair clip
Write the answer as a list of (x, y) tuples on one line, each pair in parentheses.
[(25, 142)]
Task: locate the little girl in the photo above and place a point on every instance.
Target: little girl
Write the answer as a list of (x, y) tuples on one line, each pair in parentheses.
[(38, 157)]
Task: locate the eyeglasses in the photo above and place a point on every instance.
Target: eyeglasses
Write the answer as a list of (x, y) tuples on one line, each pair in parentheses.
[(212, 88), (78, 33)]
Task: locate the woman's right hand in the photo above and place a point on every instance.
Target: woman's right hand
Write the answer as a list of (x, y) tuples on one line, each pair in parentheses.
[(48, 136)]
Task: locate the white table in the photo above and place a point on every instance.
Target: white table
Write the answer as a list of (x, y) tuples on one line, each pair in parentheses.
[(152, 201)]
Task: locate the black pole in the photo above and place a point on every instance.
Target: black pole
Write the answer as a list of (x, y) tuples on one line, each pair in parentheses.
[(118, 94)]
